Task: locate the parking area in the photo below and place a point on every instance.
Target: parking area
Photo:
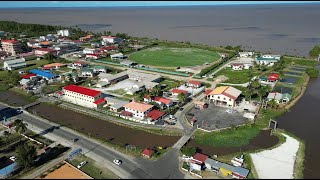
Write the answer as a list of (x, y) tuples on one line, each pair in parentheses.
[(215, 117)]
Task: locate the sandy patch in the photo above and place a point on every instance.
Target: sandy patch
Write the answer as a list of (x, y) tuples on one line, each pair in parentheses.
[(277, 163), (67, 171)]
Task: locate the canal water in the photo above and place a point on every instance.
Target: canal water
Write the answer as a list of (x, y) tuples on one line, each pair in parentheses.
[(303, 120)]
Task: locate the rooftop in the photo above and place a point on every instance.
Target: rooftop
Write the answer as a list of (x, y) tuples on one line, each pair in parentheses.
[(178, 91), (200, 157), (138, 106), (81, 90), (194, 82), (147, 152), (155, 114)]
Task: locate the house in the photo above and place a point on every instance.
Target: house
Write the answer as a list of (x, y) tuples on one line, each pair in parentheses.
[(128, 63), (286, 97), (118, 56), (64, 32), (82, 96), (195, 84), (225, 95), (245, 54), (199, 158), (138, 110), (71, 77), (108, 48), (271, 56), (136, 87), (99, 69), (247, 65), (279, 98), (159, 100), (46, 75), (25, 83), (7, 166), (14, 64), (266, 61), (207, 93), (89, 51), (66, 48), (155, 115), (11, 47), (114, 104), (43, 51), (79, 64), (147, 153), (176, 92), (92, 56), (28, 76), (86, 72), (110, 40), (113, 78), (86, 38), (237, 66), (54, 66), (272, 77)]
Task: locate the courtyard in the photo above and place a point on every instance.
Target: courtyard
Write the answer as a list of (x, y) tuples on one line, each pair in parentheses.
[(215, 117)]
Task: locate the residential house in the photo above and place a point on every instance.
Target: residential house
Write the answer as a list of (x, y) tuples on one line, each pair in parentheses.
[(118, 56), (286, 97), (86, 38), (225, 95), (194, 84), (159, 100), (64, 32), (82, 96), (96, 44), (155, 115), (279, 98), (136, 87), (14, 64), (147, 153), (110, 40), (54, 66), (12, 47), (92, 56), (66, 48), (245, 54), (71, 77), (89, 51), (199, 158), (28, 76), (114, 104), (113, 78), (138, 110), (272, 78), (99, 69), (237, 66), (50, 77), (266, 61), (200, 104), (247, 65), (176, 92), (43, 51), (109, 48), (271, 56), (86, 72)]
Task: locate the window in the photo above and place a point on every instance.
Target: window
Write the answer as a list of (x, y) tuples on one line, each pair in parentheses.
[(229, 99)]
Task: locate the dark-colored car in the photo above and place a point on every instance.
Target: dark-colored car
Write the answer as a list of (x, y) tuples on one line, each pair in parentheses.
[(75, 139)]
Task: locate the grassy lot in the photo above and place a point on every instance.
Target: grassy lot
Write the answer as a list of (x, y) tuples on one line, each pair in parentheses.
[(300, 61), (173, 57), (24, 94), (171, 83), (228, 138), (237, 77), (92, 169), (34, 64)]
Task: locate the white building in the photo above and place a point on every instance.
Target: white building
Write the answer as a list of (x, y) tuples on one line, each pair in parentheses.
[(237, 66), (272, 56), (86, 72), (110, 40), (89, 51), (245, 54), (82, 96), (224, 95), (138, 110), (118, 56), (14, 64), (266, 61), (64, 32)]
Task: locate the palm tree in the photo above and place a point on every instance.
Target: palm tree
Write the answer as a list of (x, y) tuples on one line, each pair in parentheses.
[(261, 92), (273, 103), (20, 126), (181, 97), (6, 135)]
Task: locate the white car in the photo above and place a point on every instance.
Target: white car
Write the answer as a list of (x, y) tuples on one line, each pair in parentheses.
[(117, 162), (13, 158), (81, 164)]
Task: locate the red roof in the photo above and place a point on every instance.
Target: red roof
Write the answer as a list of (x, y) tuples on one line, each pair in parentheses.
[(27, 76), (162, 100), (108, 48), (9, 41), (200, 157), (108, 37), (197, 83), (179, 91), (155, 114), (146, 96), (81, 90), (59, 92), (92, 55), (45, 49), (208, 91), (273, 77), (147, 152), (98, 101)]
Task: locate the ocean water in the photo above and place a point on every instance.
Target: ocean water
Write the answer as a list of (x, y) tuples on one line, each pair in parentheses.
[(284, 29)]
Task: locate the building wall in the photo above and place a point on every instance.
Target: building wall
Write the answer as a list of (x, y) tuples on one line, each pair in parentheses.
[(137, 114), (12, 48), (223, 98), (81, 99), (237, 67)]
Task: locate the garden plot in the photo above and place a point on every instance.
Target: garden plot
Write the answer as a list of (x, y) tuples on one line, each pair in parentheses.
[(289, 80), (282, 89)]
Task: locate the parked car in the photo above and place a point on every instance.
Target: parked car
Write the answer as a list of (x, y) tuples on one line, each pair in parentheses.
[(81, 164), (75, 139), (13, 158), (117, 162)]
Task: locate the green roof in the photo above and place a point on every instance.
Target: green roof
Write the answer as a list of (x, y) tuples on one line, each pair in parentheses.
[(263, 78), (86, 70), (265, 59), (286, 95), (98, 67)]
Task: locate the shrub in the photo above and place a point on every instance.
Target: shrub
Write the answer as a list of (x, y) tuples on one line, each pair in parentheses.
[(188, 151), (313, 72)]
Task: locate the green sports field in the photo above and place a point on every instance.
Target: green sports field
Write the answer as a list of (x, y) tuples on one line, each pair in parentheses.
[(174, 57)]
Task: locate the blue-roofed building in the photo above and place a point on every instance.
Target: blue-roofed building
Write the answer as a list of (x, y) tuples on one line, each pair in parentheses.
[(7, 166), (46, 75)]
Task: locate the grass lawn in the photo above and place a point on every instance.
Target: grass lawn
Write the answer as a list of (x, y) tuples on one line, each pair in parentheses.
[(174, 57), (237, 77), (170, 83), (228, 138), (300, 61), (24, 94), (34, 64), (92, 169)]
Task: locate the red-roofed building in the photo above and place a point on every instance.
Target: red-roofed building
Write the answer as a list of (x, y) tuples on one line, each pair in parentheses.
[(176, 92), (94, 56), (109, 48), (155, 115), (195, 84), (199, 158), (82, 96), (158, 100), (27, 76), (43, 51), (147, 153), (273, 77), (12, 47)]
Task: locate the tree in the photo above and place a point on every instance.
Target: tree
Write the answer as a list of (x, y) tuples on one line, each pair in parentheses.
[(273, 103), (25, 154), (261, 92), (20, 126), (156, 91), (140, 96), (314, 52), (188, 151), (182, 97), (6, 135)]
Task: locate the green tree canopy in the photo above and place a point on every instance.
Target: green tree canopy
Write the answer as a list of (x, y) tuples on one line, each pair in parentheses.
[(315, 51), (20, 126), (25, 154)]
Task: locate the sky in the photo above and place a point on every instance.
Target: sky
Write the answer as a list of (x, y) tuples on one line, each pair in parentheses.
[(22, 4)]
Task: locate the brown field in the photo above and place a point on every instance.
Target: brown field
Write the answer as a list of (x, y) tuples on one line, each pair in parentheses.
[(101, 129), (262, 141), (66, 171), (13, 98)]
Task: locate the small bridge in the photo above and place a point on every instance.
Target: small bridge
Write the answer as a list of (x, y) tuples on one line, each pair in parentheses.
[(30, 105)]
